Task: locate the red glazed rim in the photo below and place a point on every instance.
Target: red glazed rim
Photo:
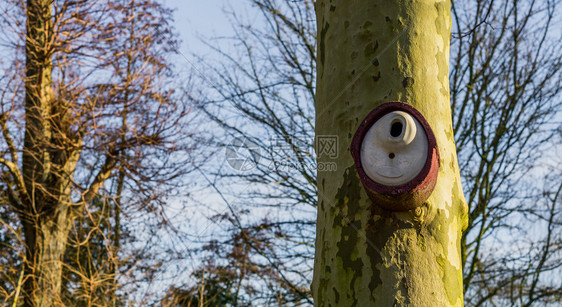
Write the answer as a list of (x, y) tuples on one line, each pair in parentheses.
[(413, 193)]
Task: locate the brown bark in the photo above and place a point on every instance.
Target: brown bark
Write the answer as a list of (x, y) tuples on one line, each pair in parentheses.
[(46, 243), (61, 103), (49, 157)]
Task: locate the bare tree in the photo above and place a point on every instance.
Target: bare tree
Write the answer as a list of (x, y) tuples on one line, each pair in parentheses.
[(506, 84), (232, 275), (270, 87), (86, 102)]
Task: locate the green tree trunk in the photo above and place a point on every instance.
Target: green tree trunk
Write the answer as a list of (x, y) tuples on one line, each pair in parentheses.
[(371, 52)]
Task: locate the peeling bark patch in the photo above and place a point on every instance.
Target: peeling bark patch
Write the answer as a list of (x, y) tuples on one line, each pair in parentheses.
[(407, 300), (377, 77), (407, 82), (451, 280), (452, 248), (349, 194), (421, 238), (440, 23), (322, 42), (375, 240), (370, 49), (451, 276), (348, 197)]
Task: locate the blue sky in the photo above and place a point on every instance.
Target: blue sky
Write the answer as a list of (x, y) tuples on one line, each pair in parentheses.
[(195, 19)]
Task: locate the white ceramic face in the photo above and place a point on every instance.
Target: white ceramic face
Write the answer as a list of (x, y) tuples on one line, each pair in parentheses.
[(394, 150)]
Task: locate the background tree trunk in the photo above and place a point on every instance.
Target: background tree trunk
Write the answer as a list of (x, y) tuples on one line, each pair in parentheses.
[(46, 247), (371, 52), (75, 70), (47, 164)]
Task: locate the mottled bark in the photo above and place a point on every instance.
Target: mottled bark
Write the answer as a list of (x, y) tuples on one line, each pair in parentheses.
[(371, 52)]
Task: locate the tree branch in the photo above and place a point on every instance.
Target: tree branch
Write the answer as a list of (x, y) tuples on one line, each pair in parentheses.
[(103, 174), (17, 177)]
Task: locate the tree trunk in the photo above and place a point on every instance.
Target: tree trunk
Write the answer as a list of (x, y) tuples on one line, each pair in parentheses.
[(47, 165), (371, 52), (46, 244)]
